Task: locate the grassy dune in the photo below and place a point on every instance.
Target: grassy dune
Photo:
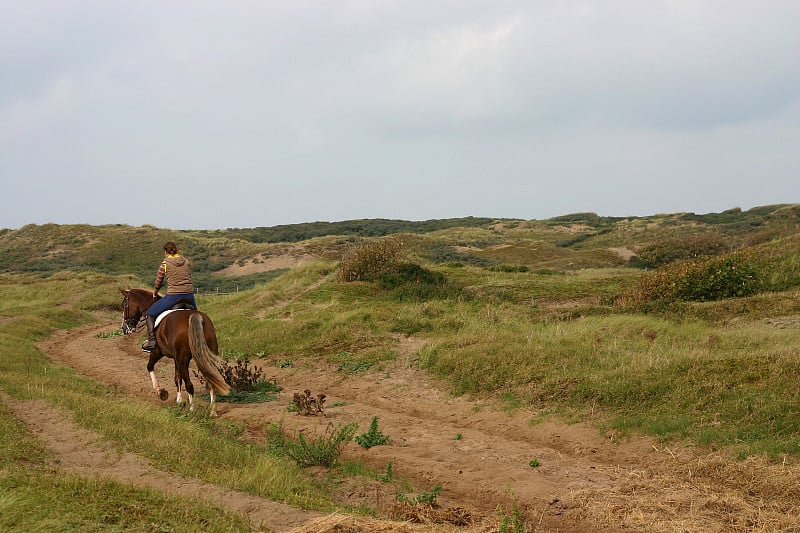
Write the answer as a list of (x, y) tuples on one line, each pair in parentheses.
[(541, 315)]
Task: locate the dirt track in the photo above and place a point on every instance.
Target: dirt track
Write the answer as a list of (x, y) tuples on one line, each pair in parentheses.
[(477, 454)]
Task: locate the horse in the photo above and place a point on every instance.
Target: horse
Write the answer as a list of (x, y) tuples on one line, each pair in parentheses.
[(180, 336)]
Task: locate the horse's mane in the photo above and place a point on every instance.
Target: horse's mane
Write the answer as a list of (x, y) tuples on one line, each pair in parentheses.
[(141, 294)]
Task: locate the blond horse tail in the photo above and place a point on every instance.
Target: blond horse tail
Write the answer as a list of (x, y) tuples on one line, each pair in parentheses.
[(205, 359)]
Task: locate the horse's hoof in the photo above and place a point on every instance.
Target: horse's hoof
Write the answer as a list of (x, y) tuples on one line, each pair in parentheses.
[(163, 394)]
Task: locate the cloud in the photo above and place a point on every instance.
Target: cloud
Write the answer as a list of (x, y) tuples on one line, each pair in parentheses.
[(269, 113)]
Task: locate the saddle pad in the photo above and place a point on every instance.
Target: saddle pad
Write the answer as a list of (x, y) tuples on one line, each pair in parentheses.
[(161, 317)]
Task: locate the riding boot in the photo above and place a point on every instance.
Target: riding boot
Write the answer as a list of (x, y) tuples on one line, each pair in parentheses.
[(150, 345)]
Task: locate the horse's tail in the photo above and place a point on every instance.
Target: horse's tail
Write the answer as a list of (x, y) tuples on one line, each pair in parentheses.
[(206, 360)]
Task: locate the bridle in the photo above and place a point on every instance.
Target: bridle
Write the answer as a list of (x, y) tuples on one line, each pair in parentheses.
[(129, 324)]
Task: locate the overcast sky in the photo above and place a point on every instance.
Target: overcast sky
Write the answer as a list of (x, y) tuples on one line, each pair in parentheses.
[(200, 114)]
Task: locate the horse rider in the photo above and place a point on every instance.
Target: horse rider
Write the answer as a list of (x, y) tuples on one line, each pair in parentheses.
[(175, 268)]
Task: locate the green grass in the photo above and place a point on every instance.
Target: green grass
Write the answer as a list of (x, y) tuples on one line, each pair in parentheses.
[(684, 376), (732, 386), (36, 497), (550, 340), (40, 499), (169, 442)]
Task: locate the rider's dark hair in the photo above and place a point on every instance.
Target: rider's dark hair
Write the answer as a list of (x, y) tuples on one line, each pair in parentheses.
[(170, 248)]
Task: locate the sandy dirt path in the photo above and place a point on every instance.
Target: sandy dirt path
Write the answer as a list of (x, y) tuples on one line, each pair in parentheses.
[(479, 455)]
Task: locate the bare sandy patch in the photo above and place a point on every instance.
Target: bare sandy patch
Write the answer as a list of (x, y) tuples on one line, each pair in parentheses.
[(623, 252), (260, 263)]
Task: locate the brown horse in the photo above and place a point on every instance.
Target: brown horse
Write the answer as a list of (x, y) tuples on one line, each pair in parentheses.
[(180, 335)]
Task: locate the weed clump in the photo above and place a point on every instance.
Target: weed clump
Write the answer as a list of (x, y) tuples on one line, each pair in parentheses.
[(241, 376), (424, 509), (373, 437), (388, 475), (245, 382), (426, 498), (308, 405), (515, 523), (320, 451)]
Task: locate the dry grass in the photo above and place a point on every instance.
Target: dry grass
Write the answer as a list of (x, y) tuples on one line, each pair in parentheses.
[(760, 496), (339, 523)]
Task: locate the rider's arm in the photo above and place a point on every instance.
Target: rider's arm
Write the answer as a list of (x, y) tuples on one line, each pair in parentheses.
[(162, 271)]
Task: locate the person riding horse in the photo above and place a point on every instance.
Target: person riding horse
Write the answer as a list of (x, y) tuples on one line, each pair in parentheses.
[(175, 268)]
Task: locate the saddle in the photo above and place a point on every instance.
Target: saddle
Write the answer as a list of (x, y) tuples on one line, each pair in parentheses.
[(182, 305)]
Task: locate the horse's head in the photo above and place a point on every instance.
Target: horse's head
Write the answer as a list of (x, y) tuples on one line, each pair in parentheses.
[(134, 304)]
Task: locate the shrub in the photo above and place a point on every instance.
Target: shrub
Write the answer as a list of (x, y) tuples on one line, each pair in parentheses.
[(410, 273), (443, 253), (368, 261), (410, 281), (672, 250), (380, 261), (508, 268), (706, 279), (719, 277)]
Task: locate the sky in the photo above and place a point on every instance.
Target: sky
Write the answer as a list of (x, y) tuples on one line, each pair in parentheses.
[(212, 115)]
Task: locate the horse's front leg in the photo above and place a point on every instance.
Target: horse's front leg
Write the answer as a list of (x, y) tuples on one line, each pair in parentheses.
[(155, 356)]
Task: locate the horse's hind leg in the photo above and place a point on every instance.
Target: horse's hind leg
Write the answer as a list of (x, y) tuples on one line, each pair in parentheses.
[(182, 376), (178, 384)]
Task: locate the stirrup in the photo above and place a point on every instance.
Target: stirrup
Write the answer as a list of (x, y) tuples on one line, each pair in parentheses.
[(148, 346)]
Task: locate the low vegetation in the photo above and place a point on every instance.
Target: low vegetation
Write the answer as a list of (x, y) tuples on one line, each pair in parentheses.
[(696, 339), (372, 437), (318, 450)]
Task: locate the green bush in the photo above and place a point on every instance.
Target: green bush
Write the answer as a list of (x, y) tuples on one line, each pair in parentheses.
[(706, 279), (508, 268), (369, 261), (445, 253), (672, 250), (412, 282), (410, 273), (380, 261)]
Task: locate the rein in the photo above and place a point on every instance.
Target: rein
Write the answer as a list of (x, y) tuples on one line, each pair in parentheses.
[(131, 325)]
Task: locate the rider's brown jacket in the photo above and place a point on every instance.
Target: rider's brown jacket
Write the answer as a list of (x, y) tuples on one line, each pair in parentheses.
[(178, 273)]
